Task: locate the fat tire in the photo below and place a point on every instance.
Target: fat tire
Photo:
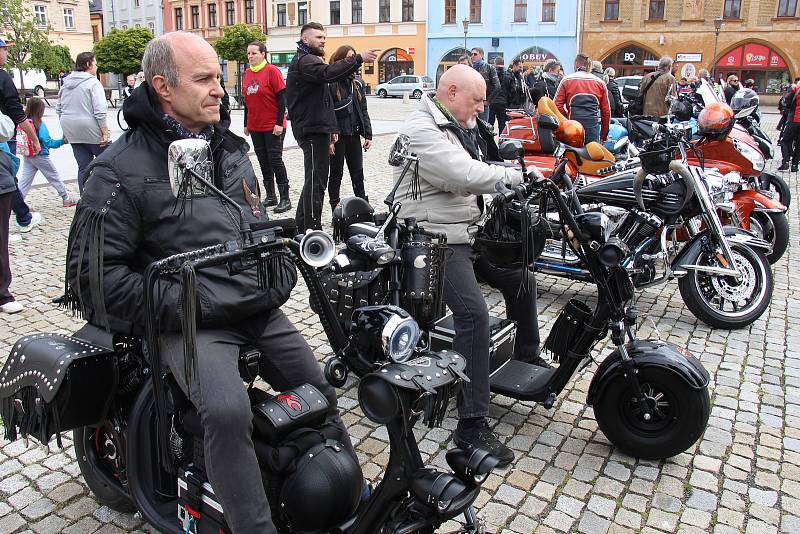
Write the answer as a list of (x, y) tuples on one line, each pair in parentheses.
[(692, 409), (690, 291), (107, 491), (780, 226)]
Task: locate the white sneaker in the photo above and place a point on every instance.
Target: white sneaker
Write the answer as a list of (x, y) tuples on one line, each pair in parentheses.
[(36, 218), (14, 238), (12, 307)]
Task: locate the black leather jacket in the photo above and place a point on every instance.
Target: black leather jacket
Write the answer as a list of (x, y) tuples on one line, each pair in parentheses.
[(128, 218)]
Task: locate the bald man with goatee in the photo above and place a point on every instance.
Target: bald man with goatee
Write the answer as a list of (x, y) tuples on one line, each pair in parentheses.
[(454, 150)]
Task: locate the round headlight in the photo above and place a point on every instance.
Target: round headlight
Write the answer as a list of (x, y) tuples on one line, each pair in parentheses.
[(399, 337)]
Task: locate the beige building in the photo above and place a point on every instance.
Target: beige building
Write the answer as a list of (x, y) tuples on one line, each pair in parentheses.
[(69, 23)]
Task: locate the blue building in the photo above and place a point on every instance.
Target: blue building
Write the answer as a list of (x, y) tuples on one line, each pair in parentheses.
[(534, 30)]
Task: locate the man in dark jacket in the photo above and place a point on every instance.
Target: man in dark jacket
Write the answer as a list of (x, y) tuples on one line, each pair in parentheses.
[(514, 86), (547, 85), (489, 74), (313, 119), (614, 95), (128, 218), (497, 108), (732, 85), (790, 140)]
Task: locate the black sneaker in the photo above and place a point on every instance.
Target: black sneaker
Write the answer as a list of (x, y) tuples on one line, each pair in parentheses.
[(794, 168), (784, 166), (480, 436)]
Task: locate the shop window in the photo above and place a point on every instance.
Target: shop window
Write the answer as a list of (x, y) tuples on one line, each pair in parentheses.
[(520, 10), (732, 10), (787, 8), (656, 10), (449, 11), (548, 10), (612, 10), (475, 11), (631, 60)]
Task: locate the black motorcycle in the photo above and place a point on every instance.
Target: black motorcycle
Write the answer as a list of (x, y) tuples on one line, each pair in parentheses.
[(650, 398), (139, 442)]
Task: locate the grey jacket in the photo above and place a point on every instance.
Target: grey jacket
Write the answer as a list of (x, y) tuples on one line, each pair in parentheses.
[(82, 108), (449, 178)]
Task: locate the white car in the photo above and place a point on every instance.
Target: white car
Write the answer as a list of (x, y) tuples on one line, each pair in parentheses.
[(397, 86), (35, 81)]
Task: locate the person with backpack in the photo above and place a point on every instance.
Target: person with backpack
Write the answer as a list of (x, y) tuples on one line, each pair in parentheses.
[(654, 88), (790, 140), (41, 162)]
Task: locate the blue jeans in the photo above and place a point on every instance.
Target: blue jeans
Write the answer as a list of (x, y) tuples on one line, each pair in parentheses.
[(591, 130), (84, 154)]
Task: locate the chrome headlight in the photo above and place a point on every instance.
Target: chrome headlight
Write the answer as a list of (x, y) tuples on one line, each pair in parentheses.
[(399, 337), (753, 155), (384, 332)]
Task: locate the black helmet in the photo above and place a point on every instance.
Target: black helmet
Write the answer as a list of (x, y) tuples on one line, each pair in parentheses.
[(682, 110), (324, 490), (500, 239), (743, 99)]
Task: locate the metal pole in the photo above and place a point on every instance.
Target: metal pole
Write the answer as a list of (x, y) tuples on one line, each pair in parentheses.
[(465, 42), (714, 59)]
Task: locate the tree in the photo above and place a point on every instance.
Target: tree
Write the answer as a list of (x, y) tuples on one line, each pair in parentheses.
[(233, 45), (121, 51), (23, 32), (52, 59)]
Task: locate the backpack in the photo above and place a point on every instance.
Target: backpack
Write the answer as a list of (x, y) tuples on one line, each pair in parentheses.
[(25, 143), (636, 105)]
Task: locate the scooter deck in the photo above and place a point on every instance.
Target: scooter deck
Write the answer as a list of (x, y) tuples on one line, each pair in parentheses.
[(523, 381)]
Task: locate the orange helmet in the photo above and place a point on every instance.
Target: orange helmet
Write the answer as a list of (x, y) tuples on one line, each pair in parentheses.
[(716, 119), (570, 132)]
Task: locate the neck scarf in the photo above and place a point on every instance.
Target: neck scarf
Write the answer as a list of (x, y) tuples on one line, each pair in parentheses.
[(256, 68), (182, 132)]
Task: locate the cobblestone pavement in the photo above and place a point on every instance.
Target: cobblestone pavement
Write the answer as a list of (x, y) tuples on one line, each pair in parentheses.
[(742, 476)]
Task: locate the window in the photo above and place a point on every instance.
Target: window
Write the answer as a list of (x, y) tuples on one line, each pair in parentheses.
[(356, 15), (40, 15), (178, 18), (384, 11), (787, 8), (475, 11), (449, 11), (212, 15), (335, 13), (69, 18), (656, 10), (136, 3), (195, 17), (548, 10), (408, 10), (732, 10), (520, 10), (281, 15), (230, 13), (302, 13), (249, 11), (612, 10)]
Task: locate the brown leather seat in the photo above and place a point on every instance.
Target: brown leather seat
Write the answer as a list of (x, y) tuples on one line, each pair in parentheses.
[(589, 159)]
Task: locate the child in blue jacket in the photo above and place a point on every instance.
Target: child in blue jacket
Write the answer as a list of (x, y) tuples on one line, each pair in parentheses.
[(41, 161)]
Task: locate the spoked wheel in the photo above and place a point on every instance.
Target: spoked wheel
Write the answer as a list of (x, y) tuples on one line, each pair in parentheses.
[(774, 228), (100, 451), (676, 417), (725, 301)]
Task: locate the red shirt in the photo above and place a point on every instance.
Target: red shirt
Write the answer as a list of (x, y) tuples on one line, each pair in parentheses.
[(261, 98)]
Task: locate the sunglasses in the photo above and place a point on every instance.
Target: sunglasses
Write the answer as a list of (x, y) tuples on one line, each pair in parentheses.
[(475, 54)]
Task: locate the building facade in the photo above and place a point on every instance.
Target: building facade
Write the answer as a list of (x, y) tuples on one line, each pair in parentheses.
[(758, 39), (124, 14), (396, 27), (532, 30), (68, 21)]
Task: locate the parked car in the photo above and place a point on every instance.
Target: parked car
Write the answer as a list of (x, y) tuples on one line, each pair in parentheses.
[(628, 86), (35, 81), (413, 85)]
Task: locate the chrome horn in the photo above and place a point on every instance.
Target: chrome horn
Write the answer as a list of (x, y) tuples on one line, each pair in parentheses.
[(317, 248)]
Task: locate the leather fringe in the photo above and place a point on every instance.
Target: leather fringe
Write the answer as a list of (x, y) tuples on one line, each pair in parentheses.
[(25, 415)]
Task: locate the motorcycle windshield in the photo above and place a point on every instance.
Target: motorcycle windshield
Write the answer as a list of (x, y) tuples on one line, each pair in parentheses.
[(707, 93)]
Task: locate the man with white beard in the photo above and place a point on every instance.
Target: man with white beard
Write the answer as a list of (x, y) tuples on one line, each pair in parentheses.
[(453, 147)]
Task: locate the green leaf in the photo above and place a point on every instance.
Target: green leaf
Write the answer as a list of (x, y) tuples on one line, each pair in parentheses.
[(121, 51), (233, 44)]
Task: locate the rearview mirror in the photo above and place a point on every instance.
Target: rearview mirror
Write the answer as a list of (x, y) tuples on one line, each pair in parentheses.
[(184, 156), (512, 150), (401, 150)]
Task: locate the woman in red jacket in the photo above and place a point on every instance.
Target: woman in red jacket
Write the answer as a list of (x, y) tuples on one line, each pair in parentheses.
[(265, 122)]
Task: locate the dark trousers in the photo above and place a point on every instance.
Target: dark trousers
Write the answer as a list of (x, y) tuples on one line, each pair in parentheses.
[(348, 148), (269, 151), (84, 154), (463, 296), (790, 143), (497, 112), (21, 210), (591, 129), (316, 161), (224, 407), (5, 262)]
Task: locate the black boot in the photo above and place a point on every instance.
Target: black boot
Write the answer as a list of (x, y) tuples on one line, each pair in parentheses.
[(334, 202), (269, 185), (285, 204), (474, 433), (784, 166)]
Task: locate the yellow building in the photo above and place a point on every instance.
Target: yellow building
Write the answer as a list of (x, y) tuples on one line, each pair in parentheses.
[(396, 27), (69, 23)]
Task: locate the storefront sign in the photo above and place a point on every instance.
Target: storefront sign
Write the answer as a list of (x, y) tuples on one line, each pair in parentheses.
[(689, 57), (752, 55), (535, 55), (650, 63), (396, 54), (776, 61), (411, 50), (755, 55)]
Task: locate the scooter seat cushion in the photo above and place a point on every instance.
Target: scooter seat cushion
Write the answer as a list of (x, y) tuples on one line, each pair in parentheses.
[(590, 159)]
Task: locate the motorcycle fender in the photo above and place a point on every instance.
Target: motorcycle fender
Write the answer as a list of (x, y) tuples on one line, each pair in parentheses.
[(759, 200), (692, 248), (648, 353)]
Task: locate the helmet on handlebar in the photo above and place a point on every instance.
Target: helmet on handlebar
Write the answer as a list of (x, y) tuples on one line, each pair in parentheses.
[(681, 109), (715, 120), (745, 101)]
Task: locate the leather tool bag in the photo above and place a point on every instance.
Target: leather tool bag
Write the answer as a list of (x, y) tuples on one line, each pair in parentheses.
[(349, 291)]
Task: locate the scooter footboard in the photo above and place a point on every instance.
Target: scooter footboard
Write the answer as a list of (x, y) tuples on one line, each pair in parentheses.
[(52, 383)]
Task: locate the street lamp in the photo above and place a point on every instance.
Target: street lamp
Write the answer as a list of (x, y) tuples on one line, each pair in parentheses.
[(717, 28), (465, 22)]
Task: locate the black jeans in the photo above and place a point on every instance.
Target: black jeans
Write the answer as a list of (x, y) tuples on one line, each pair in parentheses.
[(497, 112), (84, 154), (471, 320), (348, 147), (224, 407), (5, 262), (316, 161), (790, 143), (591, 129), (269, 151)]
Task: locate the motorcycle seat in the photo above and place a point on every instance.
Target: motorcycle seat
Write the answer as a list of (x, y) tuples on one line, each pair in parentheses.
[(589, 159)]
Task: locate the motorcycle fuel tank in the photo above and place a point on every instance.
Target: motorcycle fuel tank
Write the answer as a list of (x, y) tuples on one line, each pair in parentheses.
[(617, 190)]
